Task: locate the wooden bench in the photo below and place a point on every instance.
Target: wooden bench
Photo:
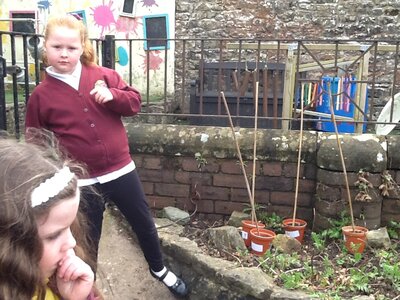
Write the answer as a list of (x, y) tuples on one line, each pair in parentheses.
[(238, 82)]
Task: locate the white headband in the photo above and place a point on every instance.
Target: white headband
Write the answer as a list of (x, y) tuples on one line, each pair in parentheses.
[(51, 187)]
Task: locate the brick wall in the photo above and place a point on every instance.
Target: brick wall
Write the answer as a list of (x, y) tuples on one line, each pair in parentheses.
[(165, 156), (220, 188)]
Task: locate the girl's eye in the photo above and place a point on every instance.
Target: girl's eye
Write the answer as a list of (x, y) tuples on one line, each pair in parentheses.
[(53, 236)]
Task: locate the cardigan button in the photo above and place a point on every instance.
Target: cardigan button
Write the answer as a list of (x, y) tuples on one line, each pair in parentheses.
[(92, 125), (85, 109)]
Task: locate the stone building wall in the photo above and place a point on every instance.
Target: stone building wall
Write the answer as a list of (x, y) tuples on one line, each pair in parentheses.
[(288, 19)]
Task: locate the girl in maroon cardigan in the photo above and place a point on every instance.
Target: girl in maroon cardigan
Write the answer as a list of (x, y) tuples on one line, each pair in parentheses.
[(82, 103)]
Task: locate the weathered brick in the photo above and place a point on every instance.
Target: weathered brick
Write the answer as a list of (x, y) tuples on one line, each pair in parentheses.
[(310, 171), (391, 206), (214, 193), (287, 212), (287, 198), (138, 159), (241, 195), (275, 183), (212, 166), (307, 186), (290, 170), (192, 177), (166, 176), (158, 202), (148, 188), (328, 193), (183, 177), (233, 167), (175, 190), (372, 192), (272, 168), (375, 179), (387, 217), (335, 178), (321, 222), (367, 210), (229, 180), (203, 205), (151, 162), (190, 164), (227, 207), (330, 208)]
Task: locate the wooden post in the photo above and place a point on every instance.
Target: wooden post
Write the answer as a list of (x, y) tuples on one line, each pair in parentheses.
[(361, 93), (288, 89)]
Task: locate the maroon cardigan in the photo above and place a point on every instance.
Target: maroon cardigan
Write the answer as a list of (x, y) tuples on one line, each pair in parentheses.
[(91, 133)]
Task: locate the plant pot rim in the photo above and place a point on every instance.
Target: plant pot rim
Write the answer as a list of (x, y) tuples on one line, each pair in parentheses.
[(297, 222), (264, 233), (357, 229), (251, 223)]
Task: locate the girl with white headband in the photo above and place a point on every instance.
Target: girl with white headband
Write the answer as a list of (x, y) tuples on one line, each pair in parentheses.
[(39, 231), (83, 104)]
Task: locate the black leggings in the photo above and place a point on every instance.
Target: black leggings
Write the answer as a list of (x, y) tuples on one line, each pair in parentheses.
[(127, 194)]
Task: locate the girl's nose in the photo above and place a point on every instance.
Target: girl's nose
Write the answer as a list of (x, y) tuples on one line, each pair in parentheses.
[(64, 52), (70, 241)]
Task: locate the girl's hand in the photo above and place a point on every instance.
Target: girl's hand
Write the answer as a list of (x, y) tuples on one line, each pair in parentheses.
[(74, 278), (101, 92)]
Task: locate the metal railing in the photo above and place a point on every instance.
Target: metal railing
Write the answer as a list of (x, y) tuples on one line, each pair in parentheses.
[(188, 80)]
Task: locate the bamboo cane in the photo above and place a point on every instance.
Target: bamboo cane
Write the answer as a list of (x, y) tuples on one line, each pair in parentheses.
[(253, 185), (298, 162), (253, 214), (341, 156)]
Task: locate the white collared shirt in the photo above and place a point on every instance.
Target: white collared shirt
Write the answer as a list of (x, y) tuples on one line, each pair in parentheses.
[(70, 79), (108, 177)]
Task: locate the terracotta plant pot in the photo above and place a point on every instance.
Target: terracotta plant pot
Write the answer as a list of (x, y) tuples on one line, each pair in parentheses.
[(295, 231), (261, 240), (354, 240), (247, 225)]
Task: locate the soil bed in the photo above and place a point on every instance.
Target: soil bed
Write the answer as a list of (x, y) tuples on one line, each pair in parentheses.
[(322, 268)]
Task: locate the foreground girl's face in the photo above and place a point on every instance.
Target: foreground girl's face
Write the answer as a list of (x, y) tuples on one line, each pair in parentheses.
[(63, 49), (55, 233)]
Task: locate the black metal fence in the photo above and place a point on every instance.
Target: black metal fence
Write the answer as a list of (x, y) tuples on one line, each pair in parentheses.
[(191, 80)]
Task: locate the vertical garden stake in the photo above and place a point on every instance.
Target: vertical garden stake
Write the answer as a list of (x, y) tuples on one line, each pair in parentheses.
[(341, 155), (253, 181), (298, 162), (253, 214)]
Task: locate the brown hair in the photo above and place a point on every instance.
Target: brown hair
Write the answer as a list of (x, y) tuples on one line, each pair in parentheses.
[(23, 167), (88, 56)]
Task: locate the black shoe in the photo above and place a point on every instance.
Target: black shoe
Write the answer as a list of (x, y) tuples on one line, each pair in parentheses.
[(179, 289)]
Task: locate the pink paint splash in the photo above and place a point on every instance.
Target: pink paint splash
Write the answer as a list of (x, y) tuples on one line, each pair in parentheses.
[(103, 16), (154, 61), (149, 3), (127, 26)]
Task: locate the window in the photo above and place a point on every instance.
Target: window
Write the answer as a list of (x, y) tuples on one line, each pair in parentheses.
[(23, 21), (80, 15), (156, 31), (128, 6)]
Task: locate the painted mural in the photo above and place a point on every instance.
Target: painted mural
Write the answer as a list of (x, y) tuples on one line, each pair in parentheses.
[(115, 17)]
